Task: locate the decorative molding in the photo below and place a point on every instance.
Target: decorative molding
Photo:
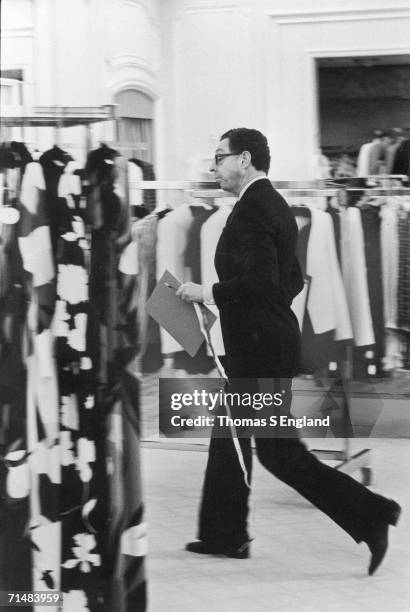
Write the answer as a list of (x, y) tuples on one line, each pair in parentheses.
[(146, 26), (146, 7), (142, 85), (241, 11), (18, 32), (9, 82), (131, 61), (18, 66), (133, 2), (352, 14), (228, 8), (359, 52)]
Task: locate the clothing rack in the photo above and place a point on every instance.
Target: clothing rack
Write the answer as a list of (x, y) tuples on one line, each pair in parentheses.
[(379, 191), (58, 117), (380, 178), (361, 460), (298, 188), (347, 462)]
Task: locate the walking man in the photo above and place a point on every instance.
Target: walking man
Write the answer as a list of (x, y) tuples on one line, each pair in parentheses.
[(259, 276)]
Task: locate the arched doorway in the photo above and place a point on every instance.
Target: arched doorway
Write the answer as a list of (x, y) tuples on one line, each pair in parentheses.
[(134, 124)]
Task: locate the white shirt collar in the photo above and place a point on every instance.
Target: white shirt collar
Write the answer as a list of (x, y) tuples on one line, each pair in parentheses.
[(257, 178)]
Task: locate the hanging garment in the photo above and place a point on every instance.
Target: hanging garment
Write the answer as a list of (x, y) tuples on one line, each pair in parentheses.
[(316, 349), (390, 268), (406, 350), (14, 155), (391, 155), (202, 362), (35, 247), (13, 311), (61, 423), (144, 233), (113, 335), (42, 400), (69, 186), (403, 295), (376, 158), (89, 578), (82, 463), (73, 525), (172, 238), (327, 305), (15, 552), (53, 163), (401, 164), (363, 160), (148, 174), (10, 179), (99, 173), (370, 218), (192, 253), (393, 357), (135, 175), (335, 214), (210, 234), (390, 260), (354, 277)]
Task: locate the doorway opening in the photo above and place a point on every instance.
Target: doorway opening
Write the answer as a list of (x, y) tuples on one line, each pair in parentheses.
[(358, 95)]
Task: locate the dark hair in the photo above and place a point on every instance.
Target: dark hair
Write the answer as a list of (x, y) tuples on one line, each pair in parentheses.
[(245, 139), (379, 134), (396, 131)]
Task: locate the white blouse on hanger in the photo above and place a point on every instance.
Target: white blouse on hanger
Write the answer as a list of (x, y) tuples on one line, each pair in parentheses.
[(327, 304), (390, 260), (355, 277), (210, 234), (171, 244)]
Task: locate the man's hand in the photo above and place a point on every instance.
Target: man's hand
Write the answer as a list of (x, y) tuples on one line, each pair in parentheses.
[(190, 292)]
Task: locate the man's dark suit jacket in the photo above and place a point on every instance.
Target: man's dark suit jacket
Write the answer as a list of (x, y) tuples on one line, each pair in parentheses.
[(258, 278)]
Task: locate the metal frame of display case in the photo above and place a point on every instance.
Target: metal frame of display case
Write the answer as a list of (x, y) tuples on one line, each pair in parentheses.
[(58, 117)]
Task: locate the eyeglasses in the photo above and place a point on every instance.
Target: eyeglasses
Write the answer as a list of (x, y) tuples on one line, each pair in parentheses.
[(220, 156)]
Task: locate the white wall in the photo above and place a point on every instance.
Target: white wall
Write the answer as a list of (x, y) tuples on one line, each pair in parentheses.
[(209, 65), (295, 42), (81, 53), (252, 63)]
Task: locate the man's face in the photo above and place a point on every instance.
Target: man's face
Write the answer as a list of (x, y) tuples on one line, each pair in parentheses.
[(228, 170)]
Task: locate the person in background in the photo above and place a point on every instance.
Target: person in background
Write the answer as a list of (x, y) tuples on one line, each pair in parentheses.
[(320, 168), (371, 159), (259, 276), (401, 164), (344, 167), (396, 138)]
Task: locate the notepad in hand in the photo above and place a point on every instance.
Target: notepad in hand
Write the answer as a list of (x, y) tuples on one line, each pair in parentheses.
[(177, 317)]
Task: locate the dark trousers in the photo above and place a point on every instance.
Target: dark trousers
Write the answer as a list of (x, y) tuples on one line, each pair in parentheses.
[(224, 507)]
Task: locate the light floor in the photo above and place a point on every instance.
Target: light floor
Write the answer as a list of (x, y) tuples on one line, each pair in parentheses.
[(301, 560)]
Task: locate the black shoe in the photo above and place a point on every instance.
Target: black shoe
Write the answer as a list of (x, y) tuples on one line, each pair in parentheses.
[(203, 547), (378, 541), (393, 513)]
